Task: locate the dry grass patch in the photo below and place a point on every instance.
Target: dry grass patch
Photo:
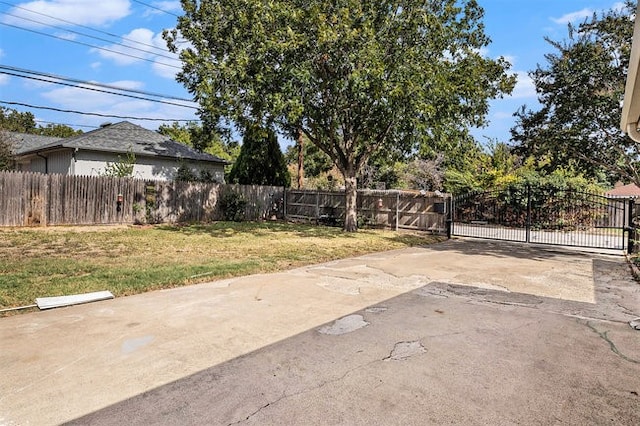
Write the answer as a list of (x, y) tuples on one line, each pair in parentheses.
[(129, 260)]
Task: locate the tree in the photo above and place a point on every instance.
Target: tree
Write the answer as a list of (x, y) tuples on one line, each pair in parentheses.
[(315, 161), (12, 120), (260, 161), (6, 152), (426, 175), (203, 139), (354, 76), (57, 130), (580, 89), (123, 167)]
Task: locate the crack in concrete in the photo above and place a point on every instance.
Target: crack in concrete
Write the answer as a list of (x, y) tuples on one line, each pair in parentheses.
[(303, 391), (404, 350), (626, 310), (603, 335), (413, 348), (257, 411)]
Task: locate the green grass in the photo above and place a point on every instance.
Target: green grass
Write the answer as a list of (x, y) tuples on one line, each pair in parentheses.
[(60, 261)]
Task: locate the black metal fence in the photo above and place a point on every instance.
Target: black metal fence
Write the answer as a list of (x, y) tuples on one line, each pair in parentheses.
[(545, 215)]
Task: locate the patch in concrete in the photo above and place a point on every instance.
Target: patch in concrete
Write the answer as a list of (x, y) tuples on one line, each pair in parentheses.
[(635, 324), (376, 309), (404, 350), (132, 345), (344, 325)]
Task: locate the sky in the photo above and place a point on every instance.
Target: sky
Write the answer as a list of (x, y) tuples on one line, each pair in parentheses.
[(119, 43)]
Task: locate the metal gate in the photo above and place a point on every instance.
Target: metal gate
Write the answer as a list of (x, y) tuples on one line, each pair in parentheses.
[(544, 215)]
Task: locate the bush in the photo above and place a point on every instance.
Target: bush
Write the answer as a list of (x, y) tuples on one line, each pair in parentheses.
[(185, 174), (233, 205)]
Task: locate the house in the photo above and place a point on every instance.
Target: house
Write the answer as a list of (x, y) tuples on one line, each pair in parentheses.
[(157, 156), (630, 120), (22, 142), (624, 191)]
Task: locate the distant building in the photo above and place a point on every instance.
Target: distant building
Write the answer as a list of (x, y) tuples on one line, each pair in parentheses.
[(624, 191), (157, 156)]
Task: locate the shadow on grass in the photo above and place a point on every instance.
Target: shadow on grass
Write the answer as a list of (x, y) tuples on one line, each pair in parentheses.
[(233, 229)]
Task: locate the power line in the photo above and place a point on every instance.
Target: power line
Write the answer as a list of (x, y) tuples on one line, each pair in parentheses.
[(67, 124), (123, 117), (93, 37), (89, 45), (107, 86), (98, 90), (156, 8), (81, 26)]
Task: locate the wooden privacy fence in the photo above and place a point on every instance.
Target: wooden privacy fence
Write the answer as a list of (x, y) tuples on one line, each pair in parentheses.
[(389, 209), (33, 199)]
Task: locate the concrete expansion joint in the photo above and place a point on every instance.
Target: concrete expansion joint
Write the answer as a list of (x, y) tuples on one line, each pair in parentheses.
[(604, 336)]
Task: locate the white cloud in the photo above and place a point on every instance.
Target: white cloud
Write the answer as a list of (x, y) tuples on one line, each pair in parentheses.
[(4, 79), (66, 36), (147, 47), (525, 88), (140, 38), (87, 100), (81, 12), (167, 6), (573, 17), (510, 59), (77, 99), (501, 115), (618, 6)]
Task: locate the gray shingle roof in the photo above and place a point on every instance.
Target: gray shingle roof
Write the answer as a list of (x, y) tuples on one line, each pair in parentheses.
[(23, 142), (124, 137)]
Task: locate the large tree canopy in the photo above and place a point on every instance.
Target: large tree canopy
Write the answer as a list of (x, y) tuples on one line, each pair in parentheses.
[(354, 76), (581, 88)]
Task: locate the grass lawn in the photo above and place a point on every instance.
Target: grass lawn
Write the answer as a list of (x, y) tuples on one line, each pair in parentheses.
[(40, 262)]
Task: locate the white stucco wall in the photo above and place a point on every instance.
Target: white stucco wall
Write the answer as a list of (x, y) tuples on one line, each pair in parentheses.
[(91, 163)]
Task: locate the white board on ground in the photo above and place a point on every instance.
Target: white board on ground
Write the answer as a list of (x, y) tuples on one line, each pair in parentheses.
[(74, 299)]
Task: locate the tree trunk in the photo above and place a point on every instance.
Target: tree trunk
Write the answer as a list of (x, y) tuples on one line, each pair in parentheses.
[(300, 160), (351, 197)]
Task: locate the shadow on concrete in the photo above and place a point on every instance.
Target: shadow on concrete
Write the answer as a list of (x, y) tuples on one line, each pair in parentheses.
[(506, 249), (441, 353)]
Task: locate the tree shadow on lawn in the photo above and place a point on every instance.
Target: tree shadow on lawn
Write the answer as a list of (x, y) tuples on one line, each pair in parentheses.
[(233, 229)]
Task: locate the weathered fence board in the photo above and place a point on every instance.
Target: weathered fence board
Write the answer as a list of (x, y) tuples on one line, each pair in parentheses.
[(389, 209), (33, 199)]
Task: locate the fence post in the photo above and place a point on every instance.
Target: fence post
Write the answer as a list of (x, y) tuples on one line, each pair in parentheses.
[(397, 210), (449, 216), (528, 224), (284, 203), (631, 229)]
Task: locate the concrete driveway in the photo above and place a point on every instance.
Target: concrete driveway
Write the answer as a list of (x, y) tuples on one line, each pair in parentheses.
[(464, 331)]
